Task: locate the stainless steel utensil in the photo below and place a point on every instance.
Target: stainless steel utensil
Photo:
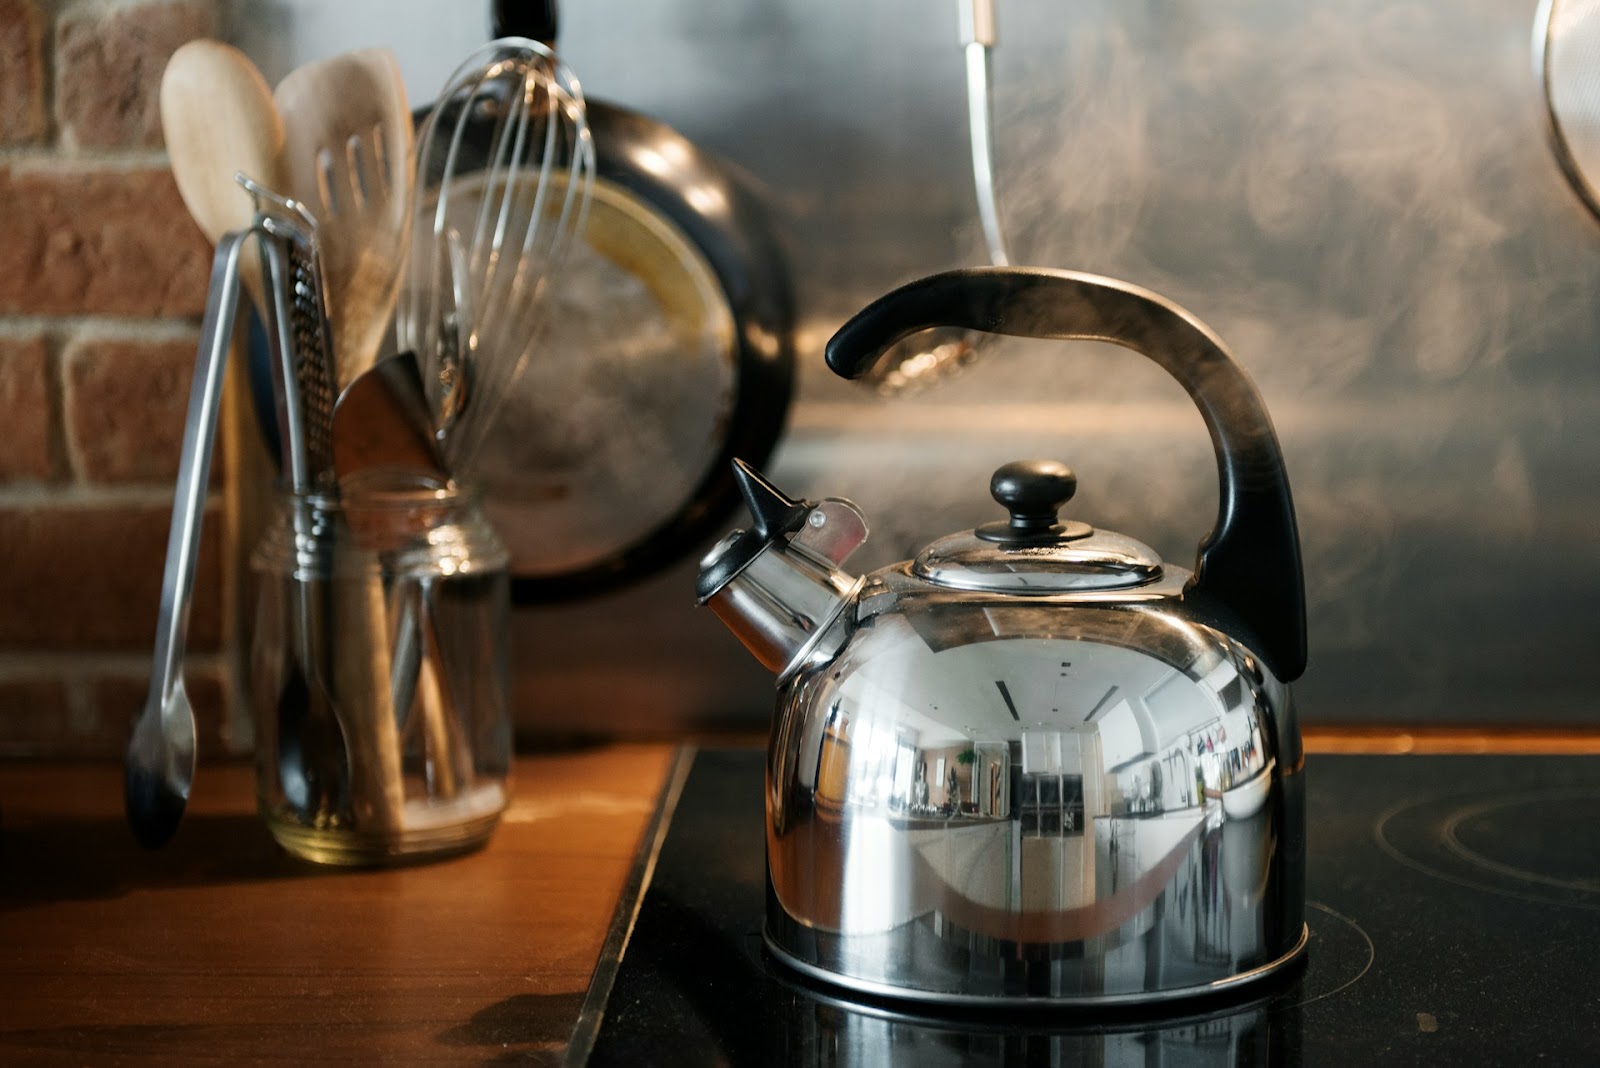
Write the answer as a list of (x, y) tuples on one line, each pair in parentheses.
[(298, 334), (443, 329), (517, 208), (929, 356), (1016, 768), (313, 751), (383, 431), (161, 753)]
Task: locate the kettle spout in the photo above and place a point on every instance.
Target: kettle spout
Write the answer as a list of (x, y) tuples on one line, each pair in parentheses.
[(779, 586)]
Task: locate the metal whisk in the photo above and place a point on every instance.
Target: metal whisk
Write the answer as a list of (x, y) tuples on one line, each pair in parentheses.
[(505, 167)]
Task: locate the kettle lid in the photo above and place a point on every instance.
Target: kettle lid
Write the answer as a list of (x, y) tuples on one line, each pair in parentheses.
[(1033, 551)]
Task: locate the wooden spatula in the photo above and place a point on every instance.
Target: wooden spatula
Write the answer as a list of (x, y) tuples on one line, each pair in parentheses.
[(348, 158)]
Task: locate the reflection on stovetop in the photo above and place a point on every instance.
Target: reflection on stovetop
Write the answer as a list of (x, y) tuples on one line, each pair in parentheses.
[(1451, 920)]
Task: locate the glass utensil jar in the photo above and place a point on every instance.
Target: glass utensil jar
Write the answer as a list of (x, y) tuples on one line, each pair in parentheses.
[(379, 676)]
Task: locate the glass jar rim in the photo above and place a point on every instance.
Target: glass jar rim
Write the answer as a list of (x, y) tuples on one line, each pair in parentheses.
[(383, 526), (380, 491)]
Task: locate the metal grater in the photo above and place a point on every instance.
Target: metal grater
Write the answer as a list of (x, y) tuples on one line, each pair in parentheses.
[(298, 333), (312, 358)]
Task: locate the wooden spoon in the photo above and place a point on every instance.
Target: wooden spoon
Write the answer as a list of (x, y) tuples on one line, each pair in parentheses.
[(218, 118), (348, 159)]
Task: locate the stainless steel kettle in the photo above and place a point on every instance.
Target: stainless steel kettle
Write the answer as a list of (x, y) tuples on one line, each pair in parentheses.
[(1036, 764)]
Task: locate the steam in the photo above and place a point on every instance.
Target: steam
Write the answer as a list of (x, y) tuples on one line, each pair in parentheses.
[(1345, 172), (1352, 198)]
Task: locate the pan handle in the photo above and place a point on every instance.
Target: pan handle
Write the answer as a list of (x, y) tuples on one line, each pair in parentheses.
[(536, 20), (1247, 579)]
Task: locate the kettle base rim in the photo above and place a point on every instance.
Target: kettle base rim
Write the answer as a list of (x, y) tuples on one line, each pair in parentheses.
[(847, 984)]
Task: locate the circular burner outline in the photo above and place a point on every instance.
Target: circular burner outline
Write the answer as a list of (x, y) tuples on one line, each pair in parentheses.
[(1455, 845), (932, 1014), (1372, 952), (1394, 851)]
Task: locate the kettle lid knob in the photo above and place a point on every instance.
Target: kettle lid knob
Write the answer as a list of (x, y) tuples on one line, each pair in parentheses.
[(1033, 491)]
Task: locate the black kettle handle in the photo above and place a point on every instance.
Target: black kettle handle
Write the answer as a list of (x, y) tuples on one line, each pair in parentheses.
[(1247, 578)]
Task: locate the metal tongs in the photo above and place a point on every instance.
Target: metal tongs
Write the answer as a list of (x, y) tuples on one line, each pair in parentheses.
[(161, 754), (160, 762)]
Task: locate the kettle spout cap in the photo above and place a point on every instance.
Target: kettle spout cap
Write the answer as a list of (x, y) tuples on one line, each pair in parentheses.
[(775, 512), (825, 532), (775, 515), (778, 586)]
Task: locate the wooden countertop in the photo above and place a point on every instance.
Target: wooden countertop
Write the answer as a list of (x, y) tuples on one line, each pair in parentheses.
[(222, 948)]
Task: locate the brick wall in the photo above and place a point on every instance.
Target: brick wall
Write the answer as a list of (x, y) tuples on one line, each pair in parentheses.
[(102, 281)]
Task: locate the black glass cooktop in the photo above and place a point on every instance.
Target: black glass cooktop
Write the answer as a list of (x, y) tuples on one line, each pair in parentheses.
[(1454, 909)]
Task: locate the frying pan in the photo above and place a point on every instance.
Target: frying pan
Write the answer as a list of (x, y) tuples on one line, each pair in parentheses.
[(668, 349)]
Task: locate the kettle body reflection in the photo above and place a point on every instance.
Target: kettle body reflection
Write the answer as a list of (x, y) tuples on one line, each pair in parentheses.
[(1036, 763)]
